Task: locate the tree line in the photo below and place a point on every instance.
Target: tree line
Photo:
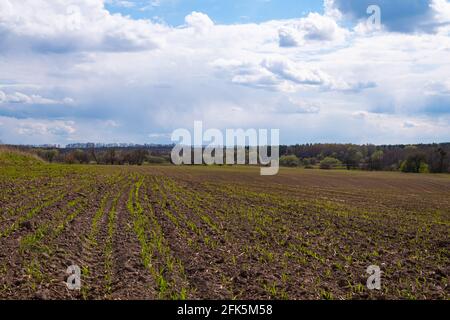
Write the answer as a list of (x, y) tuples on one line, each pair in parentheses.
[(421, 158), (135, 155)]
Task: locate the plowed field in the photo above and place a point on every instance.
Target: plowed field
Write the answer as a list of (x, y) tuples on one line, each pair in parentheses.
[(221, 233)]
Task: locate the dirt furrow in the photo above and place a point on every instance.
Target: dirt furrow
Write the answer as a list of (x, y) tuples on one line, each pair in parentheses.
[(129, 277)]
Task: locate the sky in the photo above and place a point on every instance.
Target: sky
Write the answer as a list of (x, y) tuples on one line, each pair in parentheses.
[(134, 71), (173, 12)]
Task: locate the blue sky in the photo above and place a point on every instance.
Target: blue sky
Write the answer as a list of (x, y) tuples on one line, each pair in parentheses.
[(173, 12), (320, 71)]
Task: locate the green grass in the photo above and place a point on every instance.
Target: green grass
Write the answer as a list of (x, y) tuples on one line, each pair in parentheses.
[(13, 157)]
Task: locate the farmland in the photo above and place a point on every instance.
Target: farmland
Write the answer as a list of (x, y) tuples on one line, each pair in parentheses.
[(165, 232)]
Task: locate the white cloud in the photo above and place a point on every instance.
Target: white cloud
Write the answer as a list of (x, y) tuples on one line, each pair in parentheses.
[(21, 98), (45, 128), (72, 25), (296, 73), (282, 74), (289, 37), (199, 21), (314, 27), (441, 14), (318, 27)]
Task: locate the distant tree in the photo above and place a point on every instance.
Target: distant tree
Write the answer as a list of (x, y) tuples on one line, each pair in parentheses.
[(416, 163), (376, 160), (352, 158), (110, 156), (308, 163), (138, 156), (135, 157), (424, 168), (92, 152), (75, 156), (330, 163), (48, 155), (80, 156), (442, 155), (69, 158), (438, 160), (289, 161)]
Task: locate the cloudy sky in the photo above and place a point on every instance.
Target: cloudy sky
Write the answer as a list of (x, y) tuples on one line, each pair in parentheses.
[(133, 71)]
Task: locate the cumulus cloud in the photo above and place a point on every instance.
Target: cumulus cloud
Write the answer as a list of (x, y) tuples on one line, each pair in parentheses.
[(283, 74), (286, 70), (71, 25), (313, 27), (442, 16), (199, 21), (289, 37)]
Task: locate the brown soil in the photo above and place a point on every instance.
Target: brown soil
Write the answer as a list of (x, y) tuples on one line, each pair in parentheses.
[(222, 233)]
